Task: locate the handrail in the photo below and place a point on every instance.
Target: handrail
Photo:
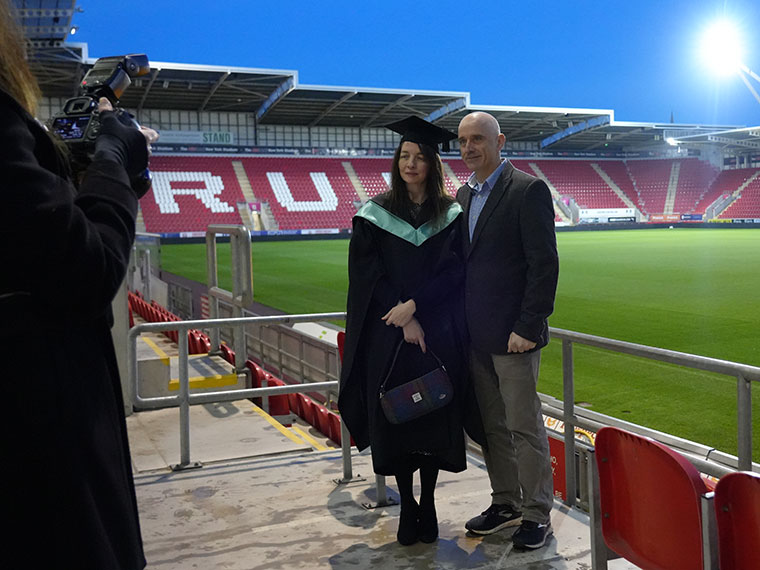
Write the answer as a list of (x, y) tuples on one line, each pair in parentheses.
[(744, 373), (184, 399)]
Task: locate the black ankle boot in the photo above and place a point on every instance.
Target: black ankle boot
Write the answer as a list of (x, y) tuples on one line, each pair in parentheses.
[(428, 525), (407, 525)]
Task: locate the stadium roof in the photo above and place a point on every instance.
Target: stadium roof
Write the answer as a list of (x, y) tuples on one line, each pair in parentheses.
[(276, 97), (735, 140)]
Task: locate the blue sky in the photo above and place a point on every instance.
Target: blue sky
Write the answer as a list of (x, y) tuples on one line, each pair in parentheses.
[(639, 58)]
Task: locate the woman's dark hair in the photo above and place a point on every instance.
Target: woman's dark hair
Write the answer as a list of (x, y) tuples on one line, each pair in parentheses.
[(15, 77), (434, 188)]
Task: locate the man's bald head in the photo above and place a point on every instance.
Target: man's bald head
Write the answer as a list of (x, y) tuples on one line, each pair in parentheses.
[(486, 122), (480, 143)]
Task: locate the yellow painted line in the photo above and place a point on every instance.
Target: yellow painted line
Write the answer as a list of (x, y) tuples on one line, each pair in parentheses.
[(161, 354), (281, 428), (216, 381), (314, 443)]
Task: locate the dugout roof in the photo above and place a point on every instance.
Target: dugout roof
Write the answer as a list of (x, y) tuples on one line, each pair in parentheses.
[(276, 97)]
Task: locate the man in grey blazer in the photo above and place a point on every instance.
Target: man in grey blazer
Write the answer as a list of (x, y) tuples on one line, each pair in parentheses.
[(511, 281)]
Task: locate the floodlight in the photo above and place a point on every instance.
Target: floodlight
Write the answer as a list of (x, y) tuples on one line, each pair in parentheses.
[(721, 48)]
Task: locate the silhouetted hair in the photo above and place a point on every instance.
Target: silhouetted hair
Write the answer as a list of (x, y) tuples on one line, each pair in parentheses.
[(434, 188), (16, 78)]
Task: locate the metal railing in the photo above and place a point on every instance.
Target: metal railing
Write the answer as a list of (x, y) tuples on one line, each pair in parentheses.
[(706, 459), (572, 417), (184, 399)]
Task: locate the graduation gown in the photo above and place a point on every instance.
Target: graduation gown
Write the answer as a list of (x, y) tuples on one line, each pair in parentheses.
[(392, 257), (67, 490)]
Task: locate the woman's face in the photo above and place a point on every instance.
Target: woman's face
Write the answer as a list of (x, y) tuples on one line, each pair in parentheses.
[(412, 164)]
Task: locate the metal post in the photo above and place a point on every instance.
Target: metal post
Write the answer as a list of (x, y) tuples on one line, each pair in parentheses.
[(709, 532), (382, 496), (345, 438), (184, 406), (744, 422), (568, 395), (146, 277), (213, 281), (300, 360), (345, 447), (599, 549)]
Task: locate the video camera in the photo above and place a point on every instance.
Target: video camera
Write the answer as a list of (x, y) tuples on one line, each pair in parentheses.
[(78, 124)]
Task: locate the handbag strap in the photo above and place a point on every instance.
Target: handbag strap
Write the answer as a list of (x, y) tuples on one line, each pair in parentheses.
[(393, 364)]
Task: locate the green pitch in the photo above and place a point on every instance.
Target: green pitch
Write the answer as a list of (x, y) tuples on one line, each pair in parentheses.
[(692, 290)]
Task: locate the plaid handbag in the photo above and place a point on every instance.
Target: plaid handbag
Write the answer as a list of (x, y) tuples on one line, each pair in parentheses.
[(417, 397)]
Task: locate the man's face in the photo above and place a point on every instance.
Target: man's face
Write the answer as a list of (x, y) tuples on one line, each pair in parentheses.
[(480, 144)]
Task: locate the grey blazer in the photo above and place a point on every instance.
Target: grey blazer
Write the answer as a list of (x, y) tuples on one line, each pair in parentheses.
[(512, 262)]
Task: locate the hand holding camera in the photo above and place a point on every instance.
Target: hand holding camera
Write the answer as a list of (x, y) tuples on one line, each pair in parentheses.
[(92, 128), (119, 140)]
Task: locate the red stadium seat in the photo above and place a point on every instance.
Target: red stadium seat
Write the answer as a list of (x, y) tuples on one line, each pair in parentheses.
[(341, 343), (293, 403), (228, 354), (650, 499), (737, 511), (309, 411), (334, 427), (303, 405), (322, 420)]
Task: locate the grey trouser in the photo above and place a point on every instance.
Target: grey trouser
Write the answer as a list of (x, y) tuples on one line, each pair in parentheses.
[(517, 458)]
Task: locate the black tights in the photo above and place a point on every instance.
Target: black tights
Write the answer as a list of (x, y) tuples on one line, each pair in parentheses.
[(428, 480)]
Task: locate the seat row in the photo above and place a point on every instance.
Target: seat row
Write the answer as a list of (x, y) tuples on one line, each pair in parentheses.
[(198, 342), (657, 511)]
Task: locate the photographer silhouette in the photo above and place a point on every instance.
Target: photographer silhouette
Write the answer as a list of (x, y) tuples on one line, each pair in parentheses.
[(69, 497)]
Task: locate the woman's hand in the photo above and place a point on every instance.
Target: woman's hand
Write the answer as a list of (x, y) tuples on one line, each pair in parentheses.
[(150, 135), (401, 314), (121, 141), (414, 334)]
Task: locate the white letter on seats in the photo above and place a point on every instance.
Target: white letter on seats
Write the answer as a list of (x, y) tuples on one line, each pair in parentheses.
[(328, 200), (164, 193)]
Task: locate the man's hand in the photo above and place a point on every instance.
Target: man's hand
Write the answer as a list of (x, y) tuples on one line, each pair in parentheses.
[(401, 314), (517, 343), (414, 334)]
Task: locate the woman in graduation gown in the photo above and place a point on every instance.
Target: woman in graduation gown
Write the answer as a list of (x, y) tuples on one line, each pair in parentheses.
[(405, 273)]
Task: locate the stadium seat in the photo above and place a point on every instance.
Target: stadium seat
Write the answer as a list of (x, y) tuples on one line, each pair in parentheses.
[(650, 500), (322, 420), (334, 427), (341, 342), (228, 354), (737, 511), (303, 405), (293, 403), (278, 405), (309, 413)]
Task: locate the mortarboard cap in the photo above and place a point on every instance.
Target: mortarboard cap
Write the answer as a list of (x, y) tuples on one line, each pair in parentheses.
[(414, 129)]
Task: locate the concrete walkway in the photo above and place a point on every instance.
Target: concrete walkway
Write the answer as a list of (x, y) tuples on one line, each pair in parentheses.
[(265, 498)]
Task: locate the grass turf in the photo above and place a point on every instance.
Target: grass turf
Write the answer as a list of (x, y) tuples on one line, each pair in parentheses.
[(692, 290)]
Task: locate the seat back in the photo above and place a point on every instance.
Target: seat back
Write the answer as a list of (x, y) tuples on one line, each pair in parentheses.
[(650, 501), (341, 343), (737, 511)]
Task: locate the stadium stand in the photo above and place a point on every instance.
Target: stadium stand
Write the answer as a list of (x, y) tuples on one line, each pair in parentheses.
[(189, 193), (694, 182), (650, 178), (748, 203), (372, 173), (303, 193), (576, 178)]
